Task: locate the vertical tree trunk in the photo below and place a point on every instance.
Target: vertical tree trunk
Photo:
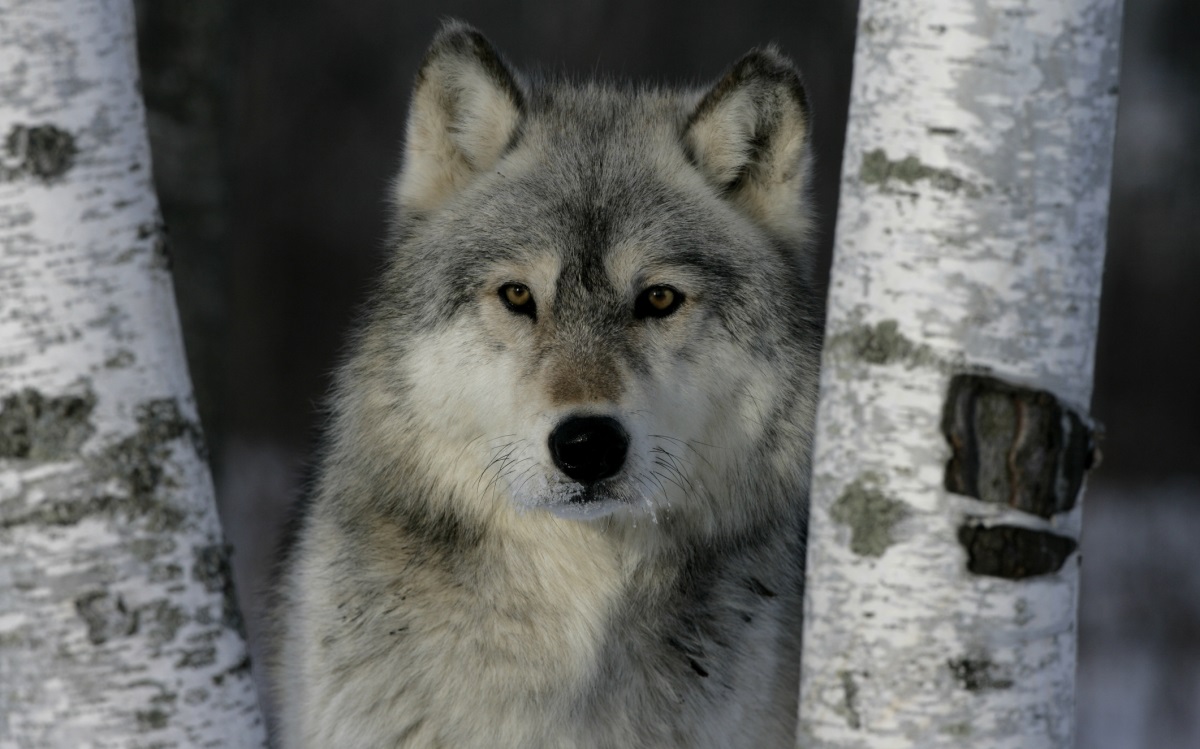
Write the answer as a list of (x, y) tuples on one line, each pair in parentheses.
[(952, 436), (117, 623)]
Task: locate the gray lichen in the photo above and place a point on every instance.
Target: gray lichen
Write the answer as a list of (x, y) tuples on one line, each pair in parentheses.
[(120, 359), (212, 569), (878, 169), (977, 674), (44, 152), (41, 428), (200, 657), (883, 343), (138, 460), (849, 707), (107, 617), (36, 427), (163, 620), (870, 515), (152, 719)]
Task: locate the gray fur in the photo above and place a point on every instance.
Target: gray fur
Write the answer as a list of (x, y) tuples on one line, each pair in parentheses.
[(448, 586)]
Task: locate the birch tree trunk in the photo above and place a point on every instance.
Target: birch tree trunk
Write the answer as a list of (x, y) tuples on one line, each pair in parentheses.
[(117, 622), (952, 437)]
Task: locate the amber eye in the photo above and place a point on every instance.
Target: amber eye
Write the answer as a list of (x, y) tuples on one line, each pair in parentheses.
[(657, 301), (518, 298), (660, 298)]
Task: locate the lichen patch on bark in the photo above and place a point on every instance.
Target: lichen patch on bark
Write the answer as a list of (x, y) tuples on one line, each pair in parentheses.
[(137, 461), (878, 169), (106, 616), (978, 674), (152, 719), (120, 359), (870, 514), (212, 570), (200, 657), (849, 707), (883, 343), (45, 152), (162, 621), (34, 426)]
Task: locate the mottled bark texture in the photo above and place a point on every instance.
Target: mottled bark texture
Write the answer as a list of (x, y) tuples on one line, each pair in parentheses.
[(953, 432), (117, 622)]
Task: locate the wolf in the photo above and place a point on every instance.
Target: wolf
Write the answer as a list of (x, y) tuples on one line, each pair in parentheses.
[(561, 499)]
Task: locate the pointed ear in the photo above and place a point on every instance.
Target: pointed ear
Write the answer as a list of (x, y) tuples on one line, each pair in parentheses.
[(749, 136), (465, 110)]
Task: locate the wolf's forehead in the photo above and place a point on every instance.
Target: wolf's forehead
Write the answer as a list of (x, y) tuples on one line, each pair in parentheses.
[(602, 135), (592, 176), (594, 217), (591, 181)]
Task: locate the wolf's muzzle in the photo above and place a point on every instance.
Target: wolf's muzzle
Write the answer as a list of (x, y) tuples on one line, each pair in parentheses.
[(589, 448)]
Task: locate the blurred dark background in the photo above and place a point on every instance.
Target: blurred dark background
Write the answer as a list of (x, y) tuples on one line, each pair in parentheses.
[(276, 125)]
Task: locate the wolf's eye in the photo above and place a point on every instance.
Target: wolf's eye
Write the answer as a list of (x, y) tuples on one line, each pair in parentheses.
[(657, 301), (518, 298)]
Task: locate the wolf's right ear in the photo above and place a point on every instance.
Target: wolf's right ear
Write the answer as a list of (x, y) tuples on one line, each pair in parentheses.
[(466, 108)]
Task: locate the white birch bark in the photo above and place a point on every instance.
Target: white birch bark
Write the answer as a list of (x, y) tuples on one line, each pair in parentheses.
[(117, 624), (970, 239)]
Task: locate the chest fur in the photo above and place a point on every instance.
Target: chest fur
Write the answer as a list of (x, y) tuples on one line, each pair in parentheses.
[(559, 644)]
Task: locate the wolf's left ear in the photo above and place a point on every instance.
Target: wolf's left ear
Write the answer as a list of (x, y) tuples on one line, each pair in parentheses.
[(749, 136), (465, 110)]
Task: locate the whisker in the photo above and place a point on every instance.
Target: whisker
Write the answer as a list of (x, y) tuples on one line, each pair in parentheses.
[(668, 477), (690, 445), (662, 487), (530, 471), (658, 479), (493, 462), (675, 460), (505, 462), (675, 466)]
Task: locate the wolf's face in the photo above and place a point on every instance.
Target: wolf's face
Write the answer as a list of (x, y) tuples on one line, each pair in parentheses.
[(596, 290)]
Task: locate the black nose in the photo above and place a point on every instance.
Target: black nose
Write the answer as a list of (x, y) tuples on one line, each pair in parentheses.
[(589, 448)]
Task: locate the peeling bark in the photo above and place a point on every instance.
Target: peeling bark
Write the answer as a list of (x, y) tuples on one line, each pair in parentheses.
[(117, 623), (952, 433)]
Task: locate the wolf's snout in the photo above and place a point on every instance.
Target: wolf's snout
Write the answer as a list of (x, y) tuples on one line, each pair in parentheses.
[(589, 448)]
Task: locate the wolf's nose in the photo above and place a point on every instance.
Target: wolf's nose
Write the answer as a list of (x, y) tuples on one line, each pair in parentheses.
[(589, 448)]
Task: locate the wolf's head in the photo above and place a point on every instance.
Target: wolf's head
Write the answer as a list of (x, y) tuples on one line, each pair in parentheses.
[(599, 301)]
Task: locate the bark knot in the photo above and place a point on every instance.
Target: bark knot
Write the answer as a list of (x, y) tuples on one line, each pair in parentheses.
[(1015, 446), (1013, 552)]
